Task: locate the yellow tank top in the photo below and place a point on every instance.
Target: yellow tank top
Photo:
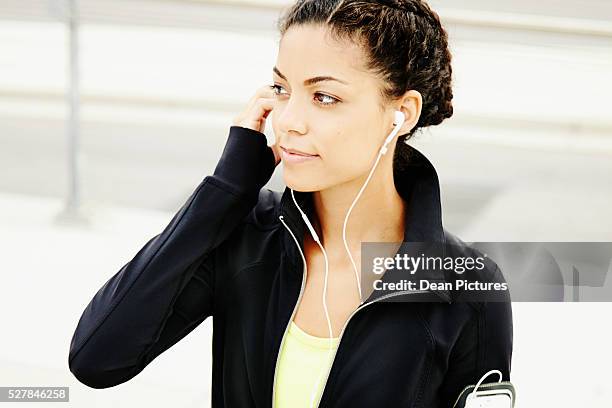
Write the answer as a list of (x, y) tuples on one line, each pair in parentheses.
[(302, 369)]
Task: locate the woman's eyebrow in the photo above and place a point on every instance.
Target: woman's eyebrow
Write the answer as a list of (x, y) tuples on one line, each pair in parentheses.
[(314, 80)]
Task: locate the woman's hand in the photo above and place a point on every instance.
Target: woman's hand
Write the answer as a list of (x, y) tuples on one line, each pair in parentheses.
[(257, 110)]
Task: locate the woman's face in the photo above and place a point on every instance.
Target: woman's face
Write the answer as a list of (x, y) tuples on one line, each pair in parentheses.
[(338, 120)]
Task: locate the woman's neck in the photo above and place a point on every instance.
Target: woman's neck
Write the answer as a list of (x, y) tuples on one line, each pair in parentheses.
[(378, 215)]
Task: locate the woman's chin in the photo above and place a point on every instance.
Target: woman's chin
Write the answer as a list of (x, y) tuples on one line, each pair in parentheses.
[(300, 180)]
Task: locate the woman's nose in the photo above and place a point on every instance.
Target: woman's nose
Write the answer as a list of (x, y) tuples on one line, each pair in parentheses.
[(291, 117)]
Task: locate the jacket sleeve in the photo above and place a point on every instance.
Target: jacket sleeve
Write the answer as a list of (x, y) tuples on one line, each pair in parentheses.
[(485, 344), (168, 287)]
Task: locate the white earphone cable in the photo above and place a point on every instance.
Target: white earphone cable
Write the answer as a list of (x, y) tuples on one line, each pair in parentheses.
[(318, 241), (399, 120)]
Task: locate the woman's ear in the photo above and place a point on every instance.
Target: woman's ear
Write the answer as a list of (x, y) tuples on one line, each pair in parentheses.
[(411, 105)]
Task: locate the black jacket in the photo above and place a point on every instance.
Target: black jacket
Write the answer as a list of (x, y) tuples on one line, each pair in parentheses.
[(230, 252)]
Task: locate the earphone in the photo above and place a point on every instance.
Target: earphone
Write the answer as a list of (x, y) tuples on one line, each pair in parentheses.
[(398, 121)]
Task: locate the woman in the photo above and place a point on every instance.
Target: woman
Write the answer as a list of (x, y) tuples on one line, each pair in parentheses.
[(292, 325)]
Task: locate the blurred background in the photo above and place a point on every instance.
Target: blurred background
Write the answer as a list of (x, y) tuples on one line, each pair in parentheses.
[(112, 112)]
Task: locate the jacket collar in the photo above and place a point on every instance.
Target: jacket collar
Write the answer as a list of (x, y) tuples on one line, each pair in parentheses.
[(416, 181)]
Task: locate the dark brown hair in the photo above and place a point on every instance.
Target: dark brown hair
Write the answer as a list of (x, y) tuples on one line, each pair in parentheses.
[(404, 41)]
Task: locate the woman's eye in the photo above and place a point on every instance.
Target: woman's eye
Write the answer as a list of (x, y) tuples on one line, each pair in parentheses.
[(322, 99), (326, 99), (276, 87)]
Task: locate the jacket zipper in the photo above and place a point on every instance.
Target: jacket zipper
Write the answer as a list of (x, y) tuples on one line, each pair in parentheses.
[(361, 306)]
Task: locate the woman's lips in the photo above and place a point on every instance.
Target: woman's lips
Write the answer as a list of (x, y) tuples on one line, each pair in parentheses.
[(290, 157)]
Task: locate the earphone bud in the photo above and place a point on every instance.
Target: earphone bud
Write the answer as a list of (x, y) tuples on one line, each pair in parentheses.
[(397, 122), (400, 118)]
